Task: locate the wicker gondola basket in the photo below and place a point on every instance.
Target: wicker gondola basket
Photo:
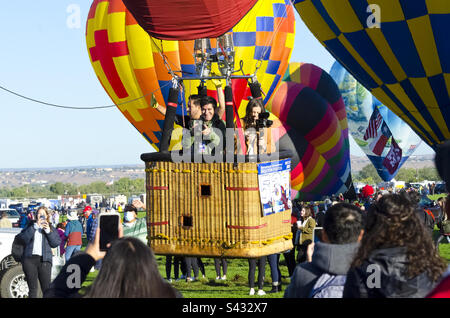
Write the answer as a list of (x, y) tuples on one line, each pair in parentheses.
[(210, 209)]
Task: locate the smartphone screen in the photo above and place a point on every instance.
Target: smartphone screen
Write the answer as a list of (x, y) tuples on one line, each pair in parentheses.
[(109, 229)]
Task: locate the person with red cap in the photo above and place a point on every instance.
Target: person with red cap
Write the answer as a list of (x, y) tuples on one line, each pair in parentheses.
[(86, 213)]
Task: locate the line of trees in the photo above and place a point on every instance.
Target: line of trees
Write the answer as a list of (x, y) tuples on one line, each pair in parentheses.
[(369, 175), (128, 186), (124, 186)]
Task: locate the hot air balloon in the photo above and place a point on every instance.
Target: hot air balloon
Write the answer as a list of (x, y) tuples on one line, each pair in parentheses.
[(313, 123), (397, 49), (131, 64), (197, 208), (360, 105)]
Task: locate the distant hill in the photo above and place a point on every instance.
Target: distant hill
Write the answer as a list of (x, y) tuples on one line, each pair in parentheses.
[(76, 175), (418, 162), (88, 174)]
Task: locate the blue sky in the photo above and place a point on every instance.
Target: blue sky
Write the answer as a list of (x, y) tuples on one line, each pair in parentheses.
[(43, 58)]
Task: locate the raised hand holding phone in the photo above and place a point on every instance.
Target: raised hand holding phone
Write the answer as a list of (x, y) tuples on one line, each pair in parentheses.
[(42, 222), (93, 248), (108, 226)]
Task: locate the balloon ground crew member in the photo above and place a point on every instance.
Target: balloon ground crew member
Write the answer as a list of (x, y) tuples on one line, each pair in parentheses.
[(132, 225)]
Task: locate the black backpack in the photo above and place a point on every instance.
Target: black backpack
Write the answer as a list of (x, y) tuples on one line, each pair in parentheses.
[(17, 249)]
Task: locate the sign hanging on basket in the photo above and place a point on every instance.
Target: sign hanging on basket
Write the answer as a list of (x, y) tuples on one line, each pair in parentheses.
[(275, 186)]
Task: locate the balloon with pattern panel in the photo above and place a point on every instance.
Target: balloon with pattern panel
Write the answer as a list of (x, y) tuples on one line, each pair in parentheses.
[(398, 49), (313, 124), (360, 106)]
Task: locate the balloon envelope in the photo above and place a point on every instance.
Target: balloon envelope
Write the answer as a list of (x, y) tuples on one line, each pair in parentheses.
[(399, 50), (198, 18), (314, 126), (132, 66), (360, 105)]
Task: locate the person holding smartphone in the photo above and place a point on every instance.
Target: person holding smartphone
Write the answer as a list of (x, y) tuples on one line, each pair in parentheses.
[(129, 269), (39, 238)]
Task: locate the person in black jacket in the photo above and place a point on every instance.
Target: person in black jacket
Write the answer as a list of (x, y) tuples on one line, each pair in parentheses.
[(397, 258), (129, 270), (320, 217), (39, 237), (427, 219)]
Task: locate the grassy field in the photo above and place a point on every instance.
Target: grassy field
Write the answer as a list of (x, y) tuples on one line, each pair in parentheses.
[(434, 197), (236, 284)]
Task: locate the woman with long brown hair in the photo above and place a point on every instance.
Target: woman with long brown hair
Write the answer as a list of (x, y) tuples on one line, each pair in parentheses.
[(129, 270), (397, 257), (257, 139), (306, 227), (39, 237)]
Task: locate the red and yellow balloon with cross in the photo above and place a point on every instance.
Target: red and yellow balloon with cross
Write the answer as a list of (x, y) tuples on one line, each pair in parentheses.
[(132, 66)]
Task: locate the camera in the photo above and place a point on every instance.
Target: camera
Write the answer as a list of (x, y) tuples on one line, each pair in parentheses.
[(263, 121)]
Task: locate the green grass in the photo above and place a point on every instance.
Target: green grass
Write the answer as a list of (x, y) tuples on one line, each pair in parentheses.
[(236, 285), (434, 197)]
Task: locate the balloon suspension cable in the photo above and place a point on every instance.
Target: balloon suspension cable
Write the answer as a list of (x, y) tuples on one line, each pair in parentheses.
[(164, 57), (183, 101), (228, 79)]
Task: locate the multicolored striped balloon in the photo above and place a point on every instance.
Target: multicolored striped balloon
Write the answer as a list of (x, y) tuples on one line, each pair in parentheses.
[(309, 105), (398, 49), (130, 64)]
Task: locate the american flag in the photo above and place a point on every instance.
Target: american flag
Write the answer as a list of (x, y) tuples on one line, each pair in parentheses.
[(374, 123)]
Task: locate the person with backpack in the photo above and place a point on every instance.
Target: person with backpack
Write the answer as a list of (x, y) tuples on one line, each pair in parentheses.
[(397, 258), (324, 276), (73, 232)]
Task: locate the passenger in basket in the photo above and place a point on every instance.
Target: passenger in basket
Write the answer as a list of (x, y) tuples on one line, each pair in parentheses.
[(255, 129), (194, 109), (208, 134)]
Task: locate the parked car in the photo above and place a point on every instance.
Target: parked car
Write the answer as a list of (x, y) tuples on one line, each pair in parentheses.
[(440, 188), (13, 216), (18, 207)]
